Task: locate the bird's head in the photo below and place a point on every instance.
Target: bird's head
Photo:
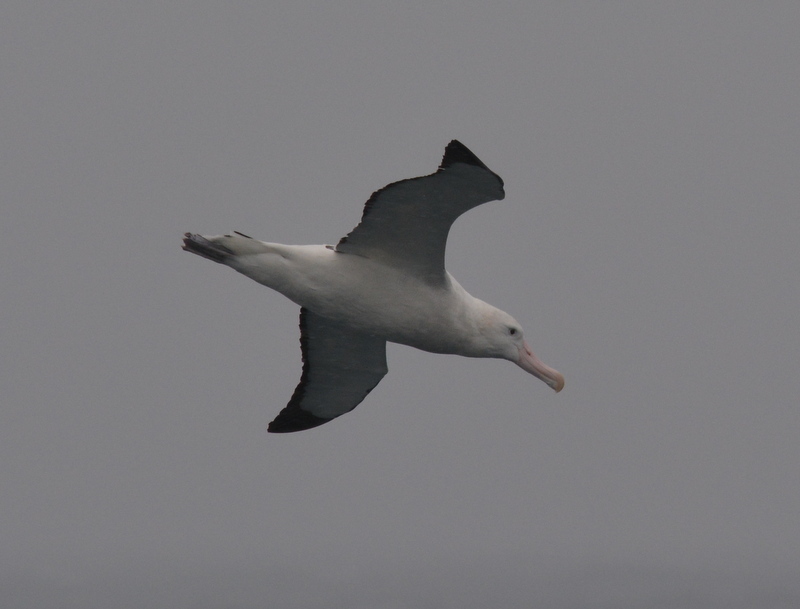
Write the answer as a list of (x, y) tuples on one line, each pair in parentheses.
[(502, 337)]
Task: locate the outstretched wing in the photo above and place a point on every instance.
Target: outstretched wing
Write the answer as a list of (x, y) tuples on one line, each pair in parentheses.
[(405, 224), (340, 367)]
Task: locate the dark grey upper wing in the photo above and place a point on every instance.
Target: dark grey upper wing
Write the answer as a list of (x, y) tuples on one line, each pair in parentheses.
[(340, 367), (405, 224)]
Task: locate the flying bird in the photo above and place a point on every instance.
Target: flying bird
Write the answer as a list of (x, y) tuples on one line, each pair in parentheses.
[(384, 282)]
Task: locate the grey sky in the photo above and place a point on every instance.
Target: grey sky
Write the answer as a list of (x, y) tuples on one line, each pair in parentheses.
[(648, 243)]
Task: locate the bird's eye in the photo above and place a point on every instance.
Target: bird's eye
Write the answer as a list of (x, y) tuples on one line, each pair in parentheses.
[(512, 331)]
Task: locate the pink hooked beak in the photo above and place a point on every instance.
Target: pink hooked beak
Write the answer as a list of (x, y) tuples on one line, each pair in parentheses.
[(530, 363)]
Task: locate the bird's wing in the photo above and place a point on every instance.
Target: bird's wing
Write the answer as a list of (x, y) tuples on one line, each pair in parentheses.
[(405, 224), (340, 367)]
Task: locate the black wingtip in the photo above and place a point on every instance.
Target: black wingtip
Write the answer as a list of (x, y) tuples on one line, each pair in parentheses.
[(293, 419), (456, 152)]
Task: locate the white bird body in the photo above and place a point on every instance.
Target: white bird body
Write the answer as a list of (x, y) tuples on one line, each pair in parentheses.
[(385, 281), (439, 319)]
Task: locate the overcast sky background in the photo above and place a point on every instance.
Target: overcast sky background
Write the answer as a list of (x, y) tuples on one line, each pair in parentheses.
[(648, 243)]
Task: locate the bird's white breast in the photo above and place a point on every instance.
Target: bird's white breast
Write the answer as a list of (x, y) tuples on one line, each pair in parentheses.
[(368, 296)]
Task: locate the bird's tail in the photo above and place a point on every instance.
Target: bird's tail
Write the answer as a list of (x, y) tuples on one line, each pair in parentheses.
[(223, 247)]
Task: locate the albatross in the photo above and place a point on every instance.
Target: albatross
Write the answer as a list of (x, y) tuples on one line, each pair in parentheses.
[(384, 282)]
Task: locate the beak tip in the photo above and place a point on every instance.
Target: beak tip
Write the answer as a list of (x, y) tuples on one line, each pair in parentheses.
[(533, 365)]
